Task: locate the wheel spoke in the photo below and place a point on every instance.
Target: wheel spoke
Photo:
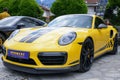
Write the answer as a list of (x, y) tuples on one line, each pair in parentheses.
[(84, 52), (89, 45), (84, 63), (87, 63), (91, 51)]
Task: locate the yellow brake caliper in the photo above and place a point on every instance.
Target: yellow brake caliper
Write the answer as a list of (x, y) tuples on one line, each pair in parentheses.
[(1, 41)]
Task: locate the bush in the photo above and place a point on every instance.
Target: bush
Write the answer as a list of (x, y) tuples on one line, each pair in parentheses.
[(22, 7), (62, 7)]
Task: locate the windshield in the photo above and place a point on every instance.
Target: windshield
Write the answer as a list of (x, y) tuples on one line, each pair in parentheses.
[(9, 21), (81, 21)]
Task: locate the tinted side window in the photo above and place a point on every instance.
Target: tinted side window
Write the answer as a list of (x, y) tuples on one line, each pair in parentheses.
[(98, 21), (27, 22), (38, 23)]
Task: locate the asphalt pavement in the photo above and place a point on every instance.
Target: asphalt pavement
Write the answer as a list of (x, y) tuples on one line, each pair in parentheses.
[(106, 67)]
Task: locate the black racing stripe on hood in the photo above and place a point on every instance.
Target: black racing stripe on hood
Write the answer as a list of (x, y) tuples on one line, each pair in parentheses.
[(28, 36), (34, 35)]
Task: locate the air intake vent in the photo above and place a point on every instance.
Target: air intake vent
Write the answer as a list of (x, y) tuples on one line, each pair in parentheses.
[(53, 58), (25, 61)]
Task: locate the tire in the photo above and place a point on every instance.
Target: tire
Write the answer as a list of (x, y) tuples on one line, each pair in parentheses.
[(2, 39), (87, 55), (115, 46)]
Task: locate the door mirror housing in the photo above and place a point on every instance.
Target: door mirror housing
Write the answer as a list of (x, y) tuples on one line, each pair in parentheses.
[(102, 26), (20, 25)]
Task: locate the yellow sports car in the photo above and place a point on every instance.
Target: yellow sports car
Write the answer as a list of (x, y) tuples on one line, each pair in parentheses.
[(69, 43)]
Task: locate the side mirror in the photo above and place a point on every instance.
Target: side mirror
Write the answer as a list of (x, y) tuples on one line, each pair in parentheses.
[(20, 25), (102, 26)]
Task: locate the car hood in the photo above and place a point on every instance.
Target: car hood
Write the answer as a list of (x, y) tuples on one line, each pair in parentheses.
[(43, 35), (3, 26)]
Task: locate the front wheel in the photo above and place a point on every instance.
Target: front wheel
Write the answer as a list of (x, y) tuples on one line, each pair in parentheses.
[(87, 55)]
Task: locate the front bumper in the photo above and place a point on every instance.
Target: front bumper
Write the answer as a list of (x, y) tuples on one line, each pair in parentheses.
[(70, 64), (40, 70)]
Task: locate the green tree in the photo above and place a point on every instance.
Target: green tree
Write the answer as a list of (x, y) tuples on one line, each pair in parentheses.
[(22, 7), (62, 7), (3, 4), (113, 11)]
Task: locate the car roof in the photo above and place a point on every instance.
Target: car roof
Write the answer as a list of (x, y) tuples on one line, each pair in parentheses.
[(19, 17), (81, 14)]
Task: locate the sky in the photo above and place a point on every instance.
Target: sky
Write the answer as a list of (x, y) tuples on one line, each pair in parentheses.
[(46, 3)]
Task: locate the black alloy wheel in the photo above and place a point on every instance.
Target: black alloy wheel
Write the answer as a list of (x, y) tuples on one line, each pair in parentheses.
[(87, 55), (2, 39), (115, 46)]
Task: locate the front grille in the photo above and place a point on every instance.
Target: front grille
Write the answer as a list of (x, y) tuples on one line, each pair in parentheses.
[(50, 58), (25, 61)]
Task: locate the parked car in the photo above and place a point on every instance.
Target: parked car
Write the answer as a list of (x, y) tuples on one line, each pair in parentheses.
[(68, 43), (9, 24)]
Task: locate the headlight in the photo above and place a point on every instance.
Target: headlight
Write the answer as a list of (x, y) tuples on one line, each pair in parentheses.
[(67, 38), (13, 34)]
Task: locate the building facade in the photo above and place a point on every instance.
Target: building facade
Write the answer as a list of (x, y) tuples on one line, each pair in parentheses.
[(92, 6), (96, 6)]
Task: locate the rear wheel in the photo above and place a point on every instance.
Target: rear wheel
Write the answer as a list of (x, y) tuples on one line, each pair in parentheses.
[(2, 39), (115, 46), (87, 55)]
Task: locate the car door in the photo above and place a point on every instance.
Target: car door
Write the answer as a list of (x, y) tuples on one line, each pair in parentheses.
[(101, 35)]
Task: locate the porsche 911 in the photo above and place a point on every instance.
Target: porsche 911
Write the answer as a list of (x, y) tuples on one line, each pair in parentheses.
[(68, 43)]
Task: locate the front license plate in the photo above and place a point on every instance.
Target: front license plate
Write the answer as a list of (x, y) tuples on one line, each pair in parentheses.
[(18, 54)]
